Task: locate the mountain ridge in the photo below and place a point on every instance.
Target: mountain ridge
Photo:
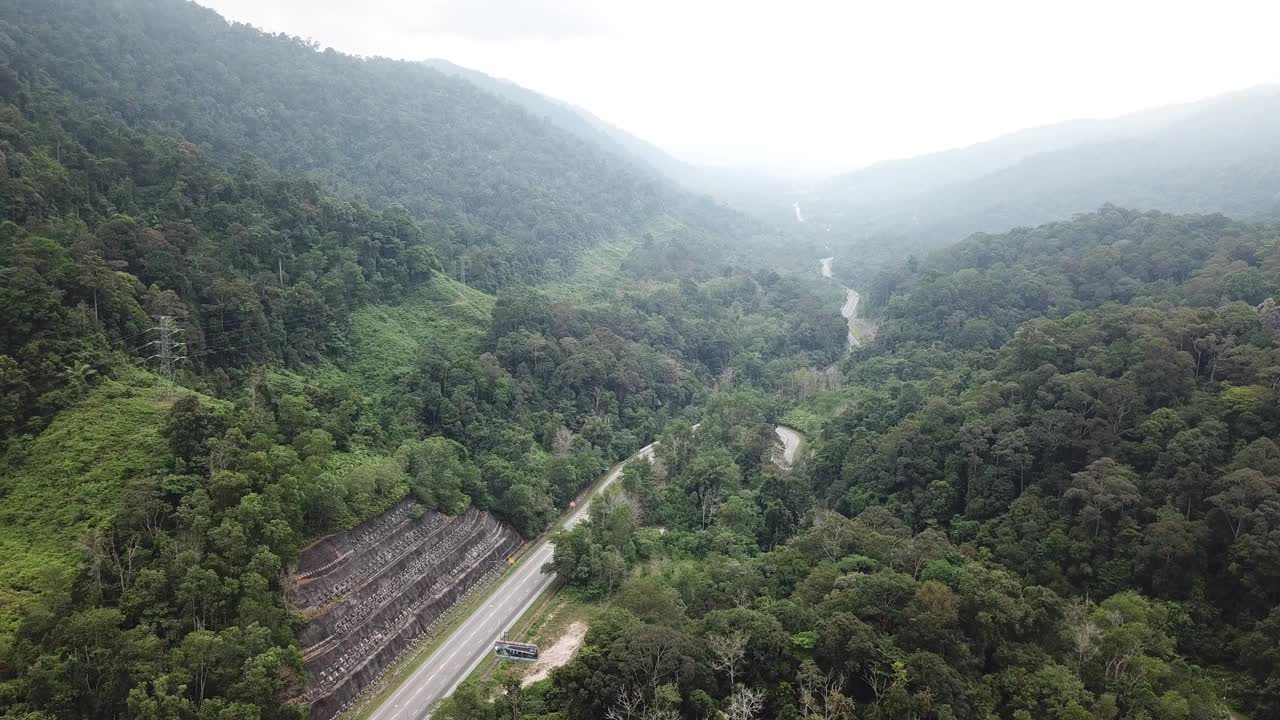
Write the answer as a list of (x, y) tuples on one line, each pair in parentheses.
[(509, 192)]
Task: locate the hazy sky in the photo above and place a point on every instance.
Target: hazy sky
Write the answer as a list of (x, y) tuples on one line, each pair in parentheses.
[(805, 84)]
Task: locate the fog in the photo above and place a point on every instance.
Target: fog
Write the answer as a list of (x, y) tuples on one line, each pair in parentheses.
[(814, 87)]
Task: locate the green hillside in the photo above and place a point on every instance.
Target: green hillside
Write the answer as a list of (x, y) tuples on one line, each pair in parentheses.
[(510, 190), (294, 218), (385, 339), (69, 481)]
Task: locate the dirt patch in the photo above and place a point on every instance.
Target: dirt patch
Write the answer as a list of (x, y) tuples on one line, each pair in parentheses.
[(558, 654)]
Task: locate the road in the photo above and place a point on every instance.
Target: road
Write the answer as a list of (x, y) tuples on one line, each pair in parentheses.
[(790, 444), (849, 310), (471, 642)]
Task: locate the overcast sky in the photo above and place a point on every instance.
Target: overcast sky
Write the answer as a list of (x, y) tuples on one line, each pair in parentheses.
[(816, 85)]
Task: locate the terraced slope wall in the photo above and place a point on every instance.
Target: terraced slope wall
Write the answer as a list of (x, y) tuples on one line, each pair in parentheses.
[(370, 592)]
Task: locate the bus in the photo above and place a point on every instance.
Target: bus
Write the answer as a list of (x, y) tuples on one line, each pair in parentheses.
[(510, 650)]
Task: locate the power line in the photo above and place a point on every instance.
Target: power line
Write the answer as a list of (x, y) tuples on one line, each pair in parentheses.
[(301, 319), (167, 347), (293, 323)]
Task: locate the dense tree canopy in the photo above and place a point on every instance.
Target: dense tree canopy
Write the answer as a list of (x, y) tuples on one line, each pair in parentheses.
[(125, 196), (509, 193), (1049, 489)]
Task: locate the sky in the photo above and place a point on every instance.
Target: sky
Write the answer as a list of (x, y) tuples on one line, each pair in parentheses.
[(811, 86)]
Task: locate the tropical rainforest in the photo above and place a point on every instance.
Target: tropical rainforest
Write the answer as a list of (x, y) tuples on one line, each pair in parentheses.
[(255, 298), (1049, 489)]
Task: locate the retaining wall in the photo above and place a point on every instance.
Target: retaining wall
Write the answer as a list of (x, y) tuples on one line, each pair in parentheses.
[(371, 592)]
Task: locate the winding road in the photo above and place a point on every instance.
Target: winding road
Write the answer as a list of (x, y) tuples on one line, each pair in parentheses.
[(472, 641), (790, 444), (850, 308)]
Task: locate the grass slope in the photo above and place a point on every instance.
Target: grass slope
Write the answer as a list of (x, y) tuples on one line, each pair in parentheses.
[(70, 480), (597, 274), (385, 338), (599, 270)]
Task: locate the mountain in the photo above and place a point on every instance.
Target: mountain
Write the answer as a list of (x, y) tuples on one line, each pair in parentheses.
[(1218, 155), (754, 192), (575, 120), (886, 181), (227, 331), (509, 191)]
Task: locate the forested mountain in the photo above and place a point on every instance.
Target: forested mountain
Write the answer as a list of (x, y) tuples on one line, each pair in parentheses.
[(751, 191), (1095, 406), (576, 121), (891, 181), (1049, 489), (285, 216), (509, 190), (1218, 155)]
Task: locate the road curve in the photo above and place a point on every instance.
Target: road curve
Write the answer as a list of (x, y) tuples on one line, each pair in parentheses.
[(790, 444), (458, 655), (850, 308)]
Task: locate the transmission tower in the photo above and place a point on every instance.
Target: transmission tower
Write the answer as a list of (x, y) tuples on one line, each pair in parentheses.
[(168, 349)]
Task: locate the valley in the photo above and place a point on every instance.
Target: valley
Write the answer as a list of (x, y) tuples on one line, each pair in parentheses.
[(322, 372)]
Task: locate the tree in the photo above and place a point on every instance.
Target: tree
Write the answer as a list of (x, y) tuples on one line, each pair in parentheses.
[(1242, 495), (744, 704), (1102, 491), (653, 656), (727, 652), (820, 696), (707, 483), (650, 600), (188, 428), (439, 473)]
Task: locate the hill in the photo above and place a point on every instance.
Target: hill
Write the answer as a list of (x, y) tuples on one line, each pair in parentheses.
[(1218, 155), (107, 441), (507, 189), (576, 121), (1094, 404), (325, 367)]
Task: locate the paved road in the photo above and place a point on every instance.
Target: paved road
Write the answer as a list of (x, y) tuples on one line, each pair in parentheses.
[(454, 660), (790, 444), (849, 310)]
